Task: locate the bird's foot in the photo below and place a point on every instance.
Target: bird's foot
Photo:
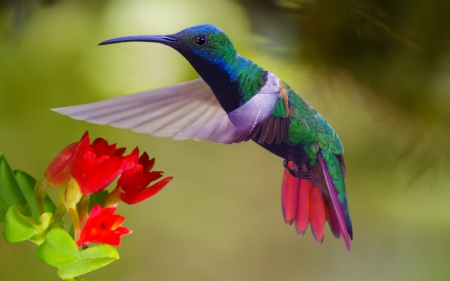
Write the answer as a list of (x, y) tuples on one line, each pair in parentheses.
[(302, 171)]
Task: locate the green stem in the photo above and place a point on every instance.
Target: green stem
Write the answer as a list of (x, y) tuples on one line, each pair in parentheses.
[(73, 212), (112, 199), (83, 209), (40, 191), (59, 213), (73, 195)]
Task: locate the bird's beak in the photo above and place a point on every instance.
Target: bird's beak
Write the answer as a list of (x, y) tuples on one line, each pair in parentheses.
[(163, 39)]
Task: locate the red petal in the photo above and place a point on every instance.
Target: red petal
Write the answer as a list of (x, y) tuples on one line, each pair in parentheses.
[(101, 147), (97, 210), (94, 173), (95, 179), (85, 135), (146, 163), (59, 169), (80, 153), (132, 159), (120, 151), (152, 176), (139, 195)]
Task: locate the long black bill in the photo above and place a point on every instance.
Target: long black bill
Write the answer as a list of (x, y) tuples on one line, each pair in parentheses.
[(164, 39)]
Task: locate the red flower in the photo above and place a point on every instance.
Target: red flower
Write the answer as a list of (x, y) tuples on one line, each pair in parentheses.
[(103, 226), (58, 172), (96, 166), (133, 184), (83, 169), (92, 166)]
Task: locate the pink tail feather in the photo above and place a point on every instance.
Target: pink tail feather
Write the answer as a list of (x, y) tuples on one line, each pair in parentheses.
[(289, 195), (304, 203), (318, 215)]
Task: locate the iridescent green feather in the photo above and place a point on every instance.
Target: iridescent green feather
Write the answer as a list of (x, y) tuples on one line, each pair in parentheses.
[(280, 109), (335, 171), (308, 127), (250, 77)]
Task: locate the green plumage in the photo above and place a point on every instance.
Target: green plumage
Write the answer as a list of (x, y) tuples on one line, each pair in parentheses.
[(249, 76)]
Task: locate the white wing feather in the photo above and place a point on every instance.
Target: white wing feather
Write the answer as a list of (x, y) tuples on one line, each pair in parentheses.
[(161, 112)]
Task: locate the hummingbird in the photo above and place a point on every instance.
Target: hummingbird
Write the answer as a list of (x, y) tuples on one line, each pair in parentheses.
[(233, 101)]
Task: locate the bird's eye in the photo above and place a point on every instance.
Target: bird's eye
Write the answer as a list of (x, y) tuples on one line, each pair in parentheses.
[(200, 40)]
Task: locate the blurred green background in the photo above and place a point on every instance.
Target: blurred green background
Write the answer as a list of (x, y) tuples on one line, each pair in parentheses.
[(377, 71)]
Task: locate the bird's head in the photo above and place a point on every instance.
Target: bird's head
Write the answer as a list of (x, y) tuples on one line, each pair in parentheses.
[(197, 44)]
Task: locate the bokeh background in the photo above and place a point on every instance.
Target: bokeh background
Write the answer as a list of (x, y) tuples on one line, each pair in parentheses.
[(378, 71)]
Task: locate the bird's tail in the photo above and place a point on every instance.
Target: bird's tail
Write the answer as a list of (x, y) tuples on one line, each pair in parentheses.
[(304, 203)]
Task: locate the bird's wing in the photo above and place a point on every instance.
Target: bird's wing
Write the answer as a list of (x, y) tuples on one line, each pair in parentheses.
[(275, 128), (186, 110), (161, 112)]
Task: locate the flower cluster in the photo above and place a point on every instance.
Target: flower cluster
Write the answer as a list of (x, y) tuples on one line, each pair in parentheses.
[(83, 169), (80, 172)]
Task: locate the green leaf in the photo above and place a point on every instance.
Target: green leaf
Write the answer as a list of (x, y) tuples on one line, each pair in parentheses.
[(93, 258), (18, 227), (49, 205), (100, 251), (59, 249), (9, 188), (3, 209), (97, 198), (26, 184)]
